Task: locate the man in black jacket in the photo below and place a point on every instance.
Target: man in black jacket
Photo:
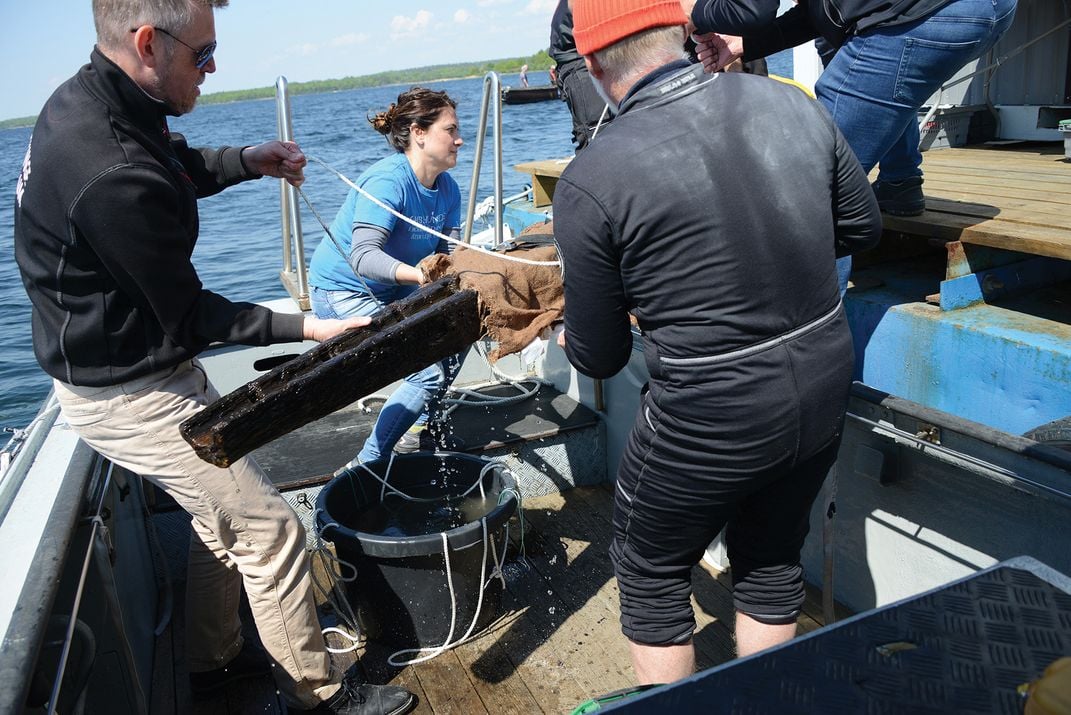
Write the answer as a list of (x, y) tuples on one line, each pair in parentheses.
[(574, 83), (715, 222), (105, 224)]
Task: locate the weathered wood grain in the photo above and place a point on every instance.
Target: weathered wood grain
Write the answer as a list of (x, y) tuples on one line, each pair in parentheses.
[(432, 324)]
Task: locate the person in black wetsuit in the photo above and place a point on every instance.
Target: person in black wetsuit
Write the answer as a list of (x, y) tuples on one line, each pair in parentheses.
[(573, 80), (715, 222)]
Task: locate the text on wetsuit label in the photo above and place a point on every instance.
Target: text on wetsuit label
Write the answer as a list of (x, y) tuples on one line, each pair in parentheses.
[(676, 84)]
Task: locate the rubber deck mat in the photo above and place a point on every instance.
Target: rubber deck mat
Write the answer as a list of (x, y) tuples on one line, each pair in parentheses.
[(964, 648)]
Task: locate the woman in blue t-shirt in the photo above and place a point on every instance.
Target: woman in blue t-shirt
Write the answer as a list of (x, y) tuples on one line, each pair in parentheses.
[(382, 250)]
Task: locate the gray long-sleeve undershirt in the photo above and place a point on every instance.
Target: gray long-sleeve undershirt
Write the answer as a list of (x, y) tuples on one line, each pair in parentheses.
[(368, 259)]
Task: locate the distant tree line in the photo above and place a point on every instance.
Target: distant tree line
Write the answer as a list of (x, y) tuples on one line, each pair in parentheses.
[(539, 61)]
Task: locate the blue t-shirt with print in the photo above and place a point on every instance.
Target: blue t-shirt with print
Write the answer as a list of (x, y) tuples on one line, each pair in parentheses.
[(392, 181)]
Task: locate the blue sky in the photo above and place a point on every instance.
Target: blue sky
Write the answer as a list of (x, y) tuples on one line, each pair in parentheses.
[(45, 41)]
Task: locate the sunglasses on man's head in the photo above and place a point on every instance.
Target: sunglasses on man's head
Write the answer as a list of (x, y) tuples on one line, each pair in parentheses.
[(204, 55)]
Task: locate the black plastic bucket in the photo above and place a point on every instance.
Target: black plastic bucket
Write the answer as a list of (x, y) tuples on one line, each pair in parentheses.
[(401, 593)]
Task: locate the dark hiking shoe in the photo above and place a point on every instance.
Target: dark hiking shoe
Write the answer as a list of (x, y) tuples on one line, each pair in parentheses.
[(900, 198), (251, 662), (357, 698), (414, 440), (427, 440)]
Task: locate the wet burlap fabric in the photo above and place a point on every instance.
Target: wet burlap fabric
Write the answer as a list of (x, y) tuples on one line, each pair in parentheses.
[(517, 301)]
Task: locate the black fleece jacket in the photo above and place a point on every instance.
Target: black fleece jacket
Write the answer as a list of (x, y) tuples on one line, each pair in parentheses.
[(105, 225), (712, 209), (562, 44), (765, 32)]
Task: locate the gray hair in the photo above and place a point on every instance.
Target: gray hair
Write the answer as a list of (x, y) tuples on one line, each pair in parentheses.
[(115, 18), (641, 53)]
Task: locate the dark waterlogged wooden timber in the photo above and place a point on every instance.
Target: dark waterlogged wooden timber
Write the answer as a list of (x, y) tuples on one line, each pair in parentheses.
[(430, 325)]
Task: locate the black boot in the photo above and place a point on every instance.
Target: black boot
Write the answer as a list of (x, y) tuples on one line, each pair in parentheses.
[(358, 698), (900, 198)]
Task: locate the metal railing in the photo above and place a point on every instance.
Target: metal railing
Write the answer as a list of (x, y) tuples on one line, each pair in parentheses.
[(294, 274), (492, 98)]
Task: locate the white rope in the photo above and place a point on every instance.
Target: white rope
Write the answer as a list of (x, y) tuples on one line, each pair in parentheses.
[(398, 493), (330, 593), (487, 206), (598, 124), (470, 396), (447, 645), (354, 640), (338, 247), (342, 606), (440, 236)]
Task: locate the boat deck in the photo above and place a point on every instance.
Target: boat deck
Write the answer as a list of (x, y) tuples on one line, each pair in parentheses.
[(1013, 197), (557, 644)]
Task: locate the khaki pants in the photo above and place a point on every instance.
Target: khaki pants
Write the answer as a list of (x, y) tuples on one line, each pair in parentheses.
[(244, 532)]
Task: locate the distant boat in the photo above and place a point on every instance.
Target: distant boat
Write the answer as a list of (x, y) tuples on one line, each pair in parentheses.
[(533, 93)]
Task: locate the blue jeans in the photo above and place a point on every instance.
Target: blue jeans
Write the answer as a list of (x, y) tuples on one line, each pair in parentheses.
[(877, 81), (421, 393)]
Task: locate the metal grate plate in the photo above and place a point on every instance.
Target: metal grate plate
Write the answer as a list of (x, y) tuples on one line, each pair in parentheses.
[(962, 648)]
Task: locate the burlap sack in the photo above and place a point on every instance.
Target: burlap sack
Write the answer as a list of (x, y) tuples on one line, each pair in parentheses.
[(517, 301)]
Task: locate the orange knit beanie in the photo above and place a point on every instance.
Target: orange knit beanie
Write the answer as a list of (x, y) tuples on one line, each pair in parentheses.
[(601, 23)]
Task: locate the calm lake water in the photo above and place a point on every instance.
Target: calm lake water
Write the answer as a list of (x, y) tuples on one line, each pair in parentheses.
[(239, 253)]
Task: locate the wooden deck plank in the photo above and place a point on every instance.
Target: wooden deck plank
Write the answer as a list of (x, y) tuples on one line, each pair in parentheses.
[(447, 688), (711, 602), (983, 161), (573, 555), (1010, 198), (497, 680), (530, 647), (1043, 188), (1009, 162), (994, 195), (373, 658), (1033, 178)]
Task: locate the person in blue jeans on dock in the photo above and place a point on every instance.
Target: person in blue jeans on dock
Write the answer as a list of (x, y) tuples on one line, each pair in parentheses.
[(891, 56), (370, 258)]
